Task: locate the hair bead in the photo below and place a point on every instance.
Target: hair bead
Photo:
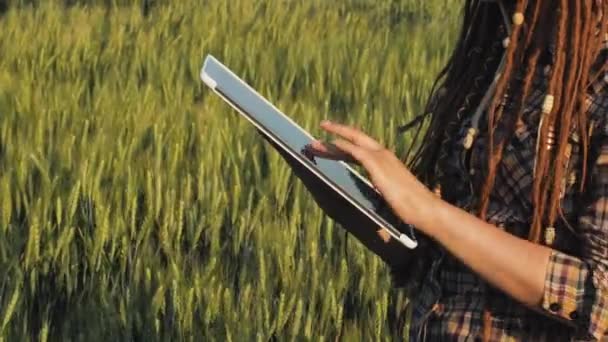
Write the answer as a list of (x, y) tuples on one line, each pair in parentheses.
[(572, 178), (551, 137), (575, 137), (549, 235), (548, 104), (506, 42), (470, 137), (518, 18), (568, 151)]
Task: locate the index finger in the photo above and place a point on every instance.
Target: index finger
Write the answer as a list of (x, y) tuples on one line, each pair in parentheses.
[(328, 151), (352, 134)]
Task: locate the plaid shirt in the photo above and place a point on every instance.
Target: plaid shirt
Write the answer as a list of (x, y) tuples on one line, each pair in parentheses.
[(449, 303)]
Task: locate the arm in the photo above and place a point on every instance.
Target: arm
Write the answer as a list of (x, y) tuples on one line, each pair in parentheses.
[(356, 223), (509, 263), (565, 287), (573, 290)]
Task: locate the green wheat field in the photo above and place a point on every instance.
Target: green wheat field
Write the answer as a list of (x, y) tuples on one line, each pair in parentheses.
[(135, 205)]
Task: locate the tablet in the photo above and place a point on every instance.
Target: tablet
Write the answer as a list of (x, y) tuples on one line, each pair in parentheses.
[(291, 138)]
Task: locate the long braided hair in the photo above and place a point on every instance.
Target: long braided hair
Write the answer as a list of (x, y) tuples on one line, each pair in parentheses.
[(575, 30)]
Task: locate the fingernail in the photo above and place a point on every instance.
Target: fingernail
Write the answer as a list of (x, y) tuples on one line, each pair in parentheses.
[(325, 122)]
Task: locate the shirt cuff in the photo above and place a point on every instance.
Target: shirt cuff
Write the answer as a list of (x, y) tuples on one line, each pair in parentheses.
[(569, 296), (564, 284)]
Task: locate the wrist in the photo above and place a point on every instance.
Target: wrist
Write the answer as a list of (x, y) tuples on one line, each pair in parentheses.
[(430, 213)]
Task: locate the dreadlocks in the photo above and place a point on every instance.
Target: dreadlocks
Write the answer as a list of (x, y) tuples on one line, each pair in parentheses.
[(574, 31)]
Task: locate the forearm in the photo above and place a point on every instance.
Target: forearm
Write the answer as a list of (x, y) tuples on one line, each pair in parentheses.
[(514, 265), (556, 284)]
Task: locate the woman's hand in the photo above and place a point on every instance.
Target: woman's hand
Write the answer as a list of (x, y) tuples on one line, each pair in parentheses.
[(408, 197), (478, 244), (354, 221)]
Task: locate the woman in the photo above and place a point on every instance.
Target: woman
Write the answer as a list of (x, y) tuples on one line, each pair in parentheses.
[(510, 182)]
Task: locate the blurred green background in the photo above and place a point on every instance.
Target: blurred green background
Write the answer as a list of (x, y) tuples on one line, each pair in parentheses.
[(136, 205)]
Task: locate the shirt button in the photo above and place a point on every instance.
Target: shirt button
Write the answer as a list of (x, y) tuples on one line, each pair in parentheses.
[(574, 315), (555, 307)]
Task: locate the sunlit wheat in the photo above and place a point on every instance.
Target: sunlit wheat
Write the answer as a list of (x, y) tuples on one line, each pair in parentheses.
[(136, 205)]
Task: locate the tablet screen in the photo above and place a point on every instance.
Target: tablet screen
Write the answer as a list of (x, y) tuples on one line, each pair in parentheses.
[(289, 135)]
